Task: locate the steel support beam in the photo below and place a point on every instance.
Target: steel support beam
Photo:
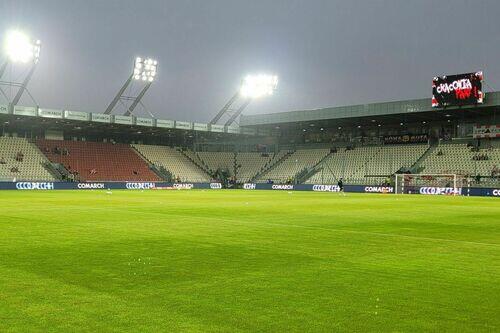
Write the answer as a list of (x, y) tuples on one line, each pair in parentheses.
[(3, 68), (137, 100), (118, 96), (23, 86), (238, 112), (225, 109)]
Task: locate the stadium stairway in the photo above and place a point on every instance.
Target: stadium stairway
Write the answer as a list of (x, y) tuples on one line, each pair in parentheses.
[(278, 158), (98, 161)]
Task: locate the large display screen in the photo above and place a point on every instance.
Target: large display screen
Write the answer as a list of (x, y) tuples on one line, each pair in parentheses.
[(456, 90)]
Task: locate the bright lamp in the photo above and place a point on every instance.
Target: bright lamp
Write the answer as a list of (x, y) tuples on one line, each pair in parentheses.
[(255, 86), (20, 48), (145, 69)]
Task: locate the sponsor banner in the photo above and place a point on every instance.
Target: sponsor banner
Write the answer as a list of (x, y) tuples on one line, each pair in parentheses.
[(140, 186), (440, 191), (215, 186), (90, 186), (403, 139), (286, 187), (456, 90), (183, 186), (326, 188), (100, 118), (50, 113), (379, 189), (148, 122), (183, 125), (217, 128), (34, 186), (496, 192), (488, 131), (200, 127), (25, 111), (4, 109), (123, 120), (76, 115), (249, 186), (165, 123)]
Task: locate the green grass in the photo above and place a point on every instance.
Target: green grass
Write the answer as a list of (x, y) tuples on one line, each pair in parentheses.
[(247, 261)]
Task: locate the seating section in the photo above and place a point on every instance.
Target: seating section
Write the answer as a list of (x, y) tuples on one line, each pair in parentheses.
[(173, 161), (29, 167), (354, 165), (244, 165), (218, 160), (293, 164), (461, 159), (98, 161)]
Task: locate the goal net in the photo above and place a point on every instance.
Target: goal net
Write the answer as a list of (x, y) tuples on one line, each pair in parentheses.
[(445, 184)]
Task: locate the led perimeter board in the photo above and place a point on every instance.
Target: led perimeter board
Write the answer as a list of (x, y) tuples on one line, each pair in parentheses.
[(456, 90)]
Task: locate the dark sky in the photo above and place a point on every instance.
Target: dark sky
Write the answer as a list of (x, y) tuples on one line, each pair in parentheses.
[(326, 52)]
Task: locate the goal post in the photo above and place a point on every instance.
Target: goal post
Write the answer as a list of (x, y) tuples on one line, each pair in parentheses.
[(447, 184)]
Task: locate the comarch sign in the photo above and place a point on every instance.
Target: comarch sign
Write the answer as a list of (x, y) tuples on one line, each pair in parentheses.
[(326, 188), (90, 186), (496, 192), (140, 186), (34, 186), (441, 191), (215, 186), (282, 187), (183, 186), (249, 186), (379, 189)]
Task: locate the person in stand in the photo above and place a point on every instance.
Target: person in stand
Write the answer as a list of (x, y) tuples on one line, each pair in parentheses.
[(340, 184)]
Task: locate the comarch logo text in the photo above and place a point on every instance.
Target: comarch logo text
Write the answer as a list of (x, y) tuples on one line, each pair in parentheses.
[(90, 186), (215, 186), (440, 190), (183, 186), (379, 189), (282, 187), (34, 186), (326, 188), (496, 192), (140, 186)]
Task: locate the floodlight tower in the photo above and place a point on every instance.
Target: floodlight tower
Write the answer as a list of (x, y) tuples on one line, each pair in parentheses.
[(20, 48), (145, 70), (252, 87)]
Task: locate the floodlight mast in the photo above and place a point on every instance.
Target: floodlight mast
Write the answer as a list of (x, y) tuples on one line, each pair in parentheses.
[(20, 48), (144, 70), (252, 87)]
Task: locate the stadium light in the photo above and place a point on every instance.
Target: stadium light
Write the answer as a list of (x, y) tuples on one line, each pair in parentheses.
[(19, 47), (260, 85), (145, 69)]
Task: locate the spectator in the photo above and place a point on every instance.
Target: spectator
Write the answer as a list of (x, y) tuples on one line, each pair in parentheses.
[(2, 160)]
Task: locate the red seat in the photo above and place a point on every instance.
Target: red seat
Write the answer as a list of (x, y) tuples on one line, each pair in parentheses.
[(98, 161)]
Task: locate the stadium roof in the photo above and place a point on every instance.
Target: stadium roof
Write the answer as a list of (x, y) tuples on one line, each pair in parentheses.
[(417, 107)]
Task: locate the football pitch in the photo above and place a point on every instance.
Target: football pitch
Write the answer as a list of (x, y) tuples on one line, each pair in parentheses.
[(247, 261)]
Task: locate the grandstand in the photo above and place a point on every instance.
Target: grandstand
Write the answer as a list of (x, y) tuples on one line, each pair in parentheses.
[(98, 161), (293, 164), (22, 160), (179, 165), (365, 165), (462, 159)]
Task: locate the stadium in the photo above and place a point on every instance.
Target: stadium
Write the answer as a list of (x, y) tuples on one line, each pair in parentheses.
[(370, 217)]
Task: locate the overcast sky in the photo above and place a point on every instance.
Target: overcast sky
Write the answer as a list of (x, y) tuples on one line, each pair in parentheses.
[(326, 52)]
